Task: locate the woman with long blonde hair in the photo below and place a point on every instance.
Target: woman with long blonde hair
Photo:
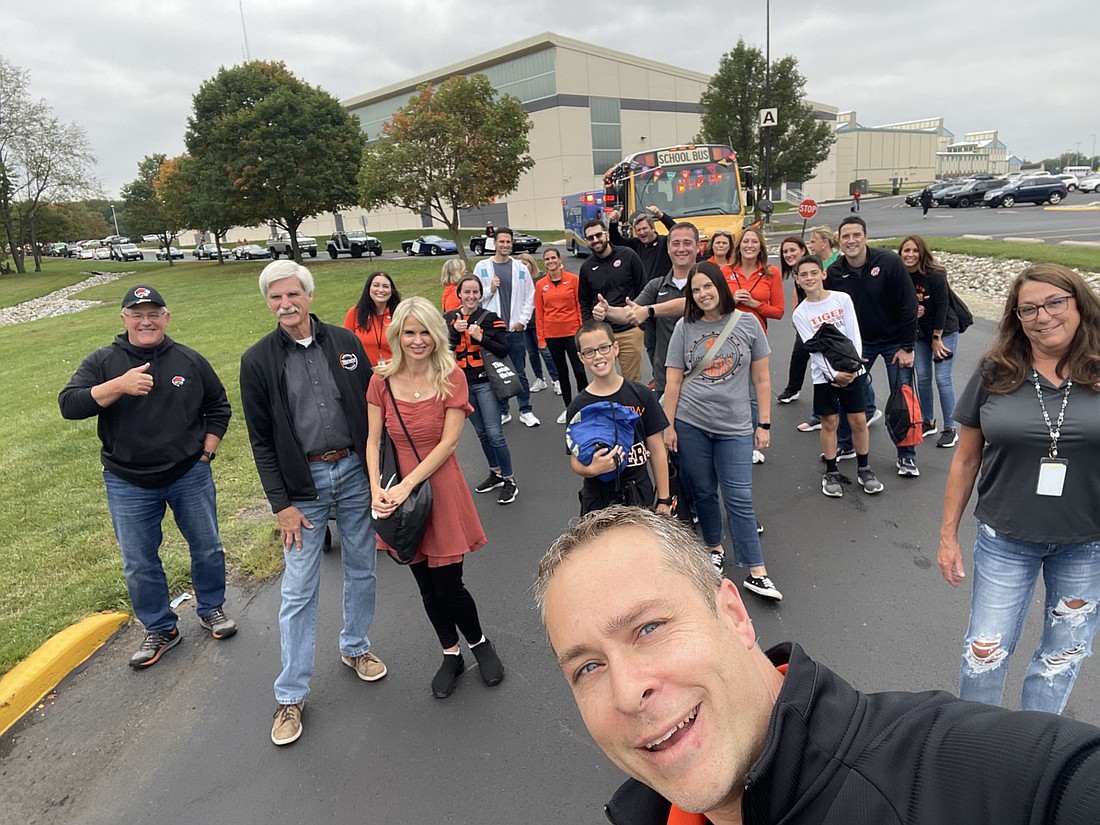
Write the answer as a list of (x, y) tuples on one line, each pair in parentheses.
[(421, 399)]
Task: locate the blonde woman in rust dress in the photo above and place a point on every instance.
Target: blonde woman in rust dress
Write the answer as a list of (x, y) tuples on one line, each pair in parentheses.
[(431, 396)]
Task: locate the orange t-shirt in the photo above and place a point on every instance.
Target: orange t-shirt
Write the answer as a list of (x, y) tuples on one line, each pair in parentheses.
[(373, 339), (450, 298), (766, 287)]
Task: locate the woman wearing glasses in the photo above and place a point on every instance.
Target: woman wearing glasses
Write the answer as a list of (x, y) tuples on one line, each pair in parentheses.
[(1029, 421)]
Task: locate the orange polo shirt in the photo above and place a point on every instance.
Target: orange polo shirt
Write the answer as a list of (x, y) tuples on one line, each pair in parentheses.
[(766, 287), (557, 308)]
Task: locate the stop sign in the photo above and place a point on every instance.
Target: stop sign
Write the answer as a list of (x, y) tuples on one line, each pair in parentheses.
[(807, 209)]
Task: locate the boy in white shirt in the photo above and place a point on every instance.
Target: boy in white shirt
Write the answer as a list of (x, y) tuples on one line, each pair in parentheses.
[(834, 390)]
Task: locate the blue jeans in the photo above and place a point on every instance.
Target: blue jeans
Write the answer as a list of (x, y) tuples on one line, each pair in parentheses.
[(137, 513), (341, 486), (517, 351), (531, 337), (870, 353), (1005, 571), (486, 421), (710, 461), (945, 387)]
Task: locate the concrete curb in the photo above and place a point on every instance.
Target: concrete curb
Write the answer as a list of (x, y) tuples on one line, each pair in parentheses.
[(31, 679)]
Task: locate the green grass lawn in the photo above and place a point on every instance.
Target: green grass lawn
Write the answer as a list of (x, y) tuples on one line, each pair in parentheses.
[(1077, 257), (60, 559)]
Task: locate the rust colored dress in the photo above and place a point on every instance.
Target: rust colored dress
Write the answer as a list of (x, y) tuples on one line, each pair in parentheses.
[(454, 528)]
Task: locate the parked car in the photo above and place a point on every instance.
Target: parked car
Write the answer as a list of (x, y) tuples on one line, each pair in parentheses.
[(126, 252), (354, 243), (113, 239), (1033, 189), (209, 251), (483, 244), (1089, 184), (85, 253), (970, 194), (250, 252), (163, 254), (429, 245), (1070, 181)]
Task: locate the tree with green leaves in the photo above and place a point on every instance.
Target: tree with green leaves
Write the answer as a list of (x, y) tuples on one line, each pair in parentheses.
[(731, 109), (146, 211), (198, 195), (275, 147), (455, 147)]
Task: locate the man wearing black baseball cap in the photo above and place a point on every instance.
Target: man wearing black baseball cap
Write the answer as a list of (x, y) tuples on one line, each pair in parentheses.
[(162, 413)]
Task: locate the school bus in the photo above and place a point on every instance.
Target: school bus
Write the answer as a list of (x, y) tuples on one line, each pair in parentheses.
[(700, 183)]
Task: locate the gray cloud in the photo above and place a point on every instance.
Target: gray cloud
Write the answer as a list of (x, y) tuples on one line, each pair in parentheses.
[(126, 70)]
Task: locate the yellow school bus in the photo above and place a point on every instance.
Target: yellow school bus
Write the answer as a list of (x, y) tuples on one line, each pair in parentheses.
[(700, 183)]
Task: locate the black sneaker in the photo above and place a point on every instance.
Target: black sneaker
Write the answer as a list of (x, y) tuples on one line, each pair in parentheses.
[(508, 491), (948, 438), (786, 397), (907, 467), (928, 428), (830, 485), (869, 481), (491, 483), (719, 561), (219, 625), (446, 678), (492, 669), (759, 528), (153, 647), (762, 586)]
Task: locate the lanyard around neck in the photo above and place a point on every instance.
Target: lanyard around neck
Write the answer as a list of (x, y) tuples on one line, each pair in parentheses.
[(1056, 429)]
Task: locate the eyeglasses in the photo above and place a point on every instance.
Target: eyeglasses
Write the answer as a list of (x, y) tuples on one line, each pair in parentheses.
[(1055, 306), (144, 316), (594, 237), (590, 353)]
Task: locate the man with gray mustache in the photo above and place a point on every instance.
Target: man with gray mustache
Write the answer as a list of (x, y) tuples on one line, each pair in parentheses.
[(303, 387)]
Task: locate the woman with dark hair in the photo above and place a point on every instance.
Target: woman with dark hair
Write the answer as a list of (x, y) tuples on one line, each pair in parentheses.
[(716, 355), (370, 318), (756, 285), (791, 251), (720, 251), (473, 330), (937, 336), (1029, 422), (420, 398)]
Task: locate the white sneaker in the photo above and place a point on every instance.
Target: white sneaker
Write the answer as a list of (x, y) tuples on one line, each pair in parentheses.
[(538, 386), (561, 418), (875, 417), (529, 419), (557, 388), (504, 419), (757, 457)]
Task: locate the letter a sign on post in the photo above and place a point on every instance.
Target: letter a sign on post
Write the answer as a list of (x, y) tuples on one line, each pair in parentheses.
[(769, 117)]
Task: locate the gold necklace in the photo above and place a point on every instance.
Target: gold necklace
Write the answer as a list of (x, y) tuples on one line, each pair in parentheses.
[(416, 389)]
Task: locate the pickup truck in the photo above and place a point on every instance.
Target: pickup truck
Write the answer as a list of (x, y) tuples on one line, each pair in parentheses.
[(280, 245)]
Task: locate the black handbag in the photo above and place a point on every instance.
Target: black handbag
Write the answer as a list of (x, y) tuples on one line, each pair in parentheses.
[(404, 528)]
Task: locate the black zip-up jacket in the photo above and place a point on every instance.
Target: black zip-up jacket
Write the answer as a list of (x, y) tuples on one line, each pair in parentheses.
[(150, 440), (883, 295), (838, 349), (280, 459), (835, 756), (468, 351)]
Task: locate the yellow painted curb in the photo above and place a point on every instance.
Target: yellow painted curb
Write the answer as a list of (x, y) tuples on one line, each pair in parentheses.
[(31, 679)]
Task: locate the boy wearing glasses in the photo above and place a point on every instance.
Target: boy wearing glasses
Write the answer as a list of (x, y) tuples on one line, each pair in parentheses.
[(632, 484)]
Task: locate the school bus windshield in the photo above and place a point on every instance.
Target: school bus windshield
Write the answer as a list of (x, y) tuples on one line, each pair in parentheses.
[(691, 189)]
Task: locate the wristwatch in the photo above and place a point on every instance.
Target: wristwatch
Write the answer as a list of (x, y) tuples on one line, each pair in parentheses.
[(210, 456), (651, 310), (936, 337), (906, 349), (667, 501), (764, 426)]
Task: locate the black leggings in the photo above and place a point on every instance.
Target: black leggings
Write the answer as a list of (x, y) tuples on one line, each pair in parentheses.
[(448, 603), (800, 357), (563, 350)]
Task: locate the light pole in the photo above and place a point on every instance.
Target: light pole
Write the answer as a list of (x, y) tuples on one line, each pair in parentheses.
[(1091, 157), (114, 217), (768, 99), (1077, 157)]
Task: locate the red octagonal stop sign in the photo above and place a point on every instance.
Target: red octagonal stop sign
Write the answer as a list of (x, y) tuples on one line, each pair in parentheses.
[(807, 209)]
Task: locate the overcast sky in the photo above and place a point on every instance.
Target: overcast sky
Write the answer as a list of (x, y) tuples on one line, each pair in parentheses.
[(126, 70)]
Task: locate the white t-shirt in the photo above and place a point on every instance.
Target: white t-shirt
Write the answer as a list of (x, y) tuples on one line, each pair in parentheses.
[(835, 308)]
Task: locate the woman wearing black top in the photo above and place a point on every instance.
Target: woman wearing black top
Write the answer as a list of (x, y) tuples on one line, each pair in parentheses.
[(937, 336), (471, 329)]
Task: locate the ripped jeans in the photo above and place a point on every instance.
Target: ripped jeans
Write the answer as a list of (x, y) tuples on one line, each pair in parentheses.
[(1005, 572)]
